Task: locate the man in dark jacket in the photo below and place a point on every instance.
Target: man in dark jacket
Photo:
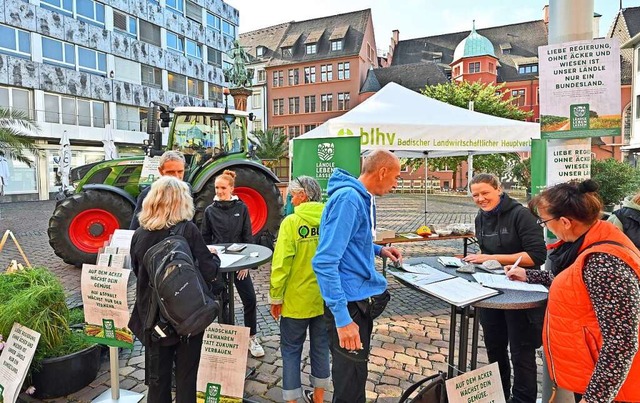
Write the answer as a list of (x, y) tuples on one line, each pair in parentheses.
[(172, 163)]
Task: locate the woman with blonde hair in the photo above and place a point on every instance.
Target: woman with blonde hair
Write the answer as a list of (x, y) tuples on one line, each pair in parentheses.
[(168, 205), (227, 220)]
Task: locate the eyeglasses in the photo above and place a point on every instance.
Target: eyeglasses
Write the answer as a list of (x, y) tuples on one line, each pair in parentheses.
[(543, 223)]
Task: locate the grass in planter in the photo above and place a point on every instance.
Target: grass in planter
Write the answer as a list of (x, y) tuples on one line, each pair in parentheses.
[(76, 316), (35, 298)]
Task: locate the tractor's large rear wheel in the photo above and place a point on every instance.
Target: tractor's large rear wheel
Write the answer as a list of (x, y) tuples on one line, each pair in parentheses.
[(82, 223), (257, 191)]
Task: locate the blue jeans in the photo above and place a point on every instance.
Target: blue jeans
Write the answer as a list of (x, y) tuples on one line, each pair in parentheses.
[(293, 333)]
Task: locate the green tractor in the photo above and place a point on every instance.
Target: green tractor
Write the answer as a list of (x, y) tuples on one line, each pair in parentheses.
[(212, 140)]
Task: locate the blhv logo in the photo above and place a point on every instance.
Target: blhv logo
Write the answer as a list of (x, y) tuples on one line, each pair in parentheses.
[(305, 231)]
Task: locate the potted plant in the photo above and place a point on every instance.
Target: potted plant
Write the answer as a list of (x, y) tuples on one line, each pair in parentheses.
[(616, 180), (64, 363)]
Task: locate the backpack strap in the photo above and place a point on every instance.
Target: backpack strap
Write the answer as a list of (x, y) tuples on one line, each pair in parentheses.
[(412, 388), (178, 229)]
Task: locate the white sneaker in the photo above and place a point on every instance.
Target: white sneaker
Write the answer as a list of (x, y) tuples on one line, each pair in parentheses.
[(255, 348)]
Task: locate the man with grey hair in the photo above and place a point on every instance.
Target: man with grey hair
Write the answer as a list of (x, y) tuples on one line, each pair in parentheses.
[(353, 291), (172, 163)]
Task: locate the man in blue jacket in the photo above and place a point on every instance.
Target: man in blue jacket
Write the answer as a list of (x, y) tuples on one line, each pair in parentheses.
[(345, 268)]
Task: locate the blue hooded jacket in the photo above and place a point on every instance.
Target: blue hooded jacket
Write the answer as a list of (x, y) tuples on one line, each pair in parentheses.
[(344, 261)]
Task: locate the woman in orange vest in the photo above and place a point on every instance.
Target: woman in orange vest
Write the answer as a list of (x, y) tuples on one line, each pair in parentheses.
[(592, 325)]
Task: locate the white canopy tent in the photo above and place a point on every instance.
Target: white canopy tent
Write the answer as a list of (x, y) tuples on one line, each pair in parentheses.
[(415, 126)]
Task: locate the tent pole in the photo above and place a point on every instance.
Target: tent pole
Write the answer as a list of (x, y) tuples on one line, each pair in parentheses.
[(469, 172), (426, 191)]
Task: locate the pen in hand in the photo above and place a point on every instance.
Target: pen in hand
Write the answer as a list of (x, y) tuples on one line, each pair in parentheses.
[(515, 266)]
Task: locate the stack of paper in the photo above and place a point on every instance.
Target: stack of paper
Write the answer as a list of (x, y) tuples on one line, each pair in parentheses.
[(449, 261), (503, 283), (458, 291)]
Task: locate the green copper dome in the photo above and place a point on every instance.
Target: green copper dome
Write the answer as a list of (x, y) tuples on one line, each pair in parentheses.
[(473, 45)]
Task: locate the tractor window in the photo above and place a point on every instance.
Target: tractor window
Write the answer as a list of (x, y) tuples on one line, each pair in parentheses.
[(206, 136)]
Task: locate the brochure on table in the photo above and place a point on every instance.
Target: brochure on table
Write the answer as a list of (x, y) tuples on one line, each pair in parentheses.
[(223, 363), (482, 385), (454, 290), (503, 283), (106, 312), (15, 360)]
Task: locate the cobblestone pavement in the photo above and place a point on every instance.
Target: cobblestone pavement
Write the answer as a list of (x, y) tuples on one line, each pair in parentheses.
[(410, 339)]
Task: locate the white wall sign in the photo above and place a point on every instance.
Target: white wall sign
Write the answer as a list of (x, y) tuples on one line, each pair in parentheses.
[(568, 160)]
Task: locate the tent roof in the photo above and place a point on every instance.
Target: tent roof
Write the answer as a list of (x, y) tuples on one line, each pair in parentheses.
[(399, 119)]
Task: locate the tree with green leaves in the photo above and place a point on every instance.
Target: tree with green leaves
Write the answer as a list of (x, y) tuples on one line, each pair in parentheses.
[(271, 144), (16, 129), (616, 179), (488, 99)]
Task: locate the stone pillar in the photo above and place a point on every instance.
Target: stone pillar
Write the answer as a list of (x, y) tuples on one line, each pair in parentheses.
[(240, 96)]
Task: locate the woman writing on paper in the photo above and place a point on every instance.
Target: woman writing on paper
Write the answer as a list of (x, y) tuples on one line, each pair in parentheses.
[(507, 231), (592, 325), (227, 220)]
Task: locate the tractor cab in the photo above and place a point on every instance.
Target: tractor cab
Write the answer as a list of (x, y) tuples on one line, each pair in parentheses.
[(205, 135)]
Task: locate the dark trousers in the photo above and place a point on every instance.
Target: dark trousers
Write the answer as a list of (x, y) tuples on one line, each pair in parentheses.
[(248, 296), (521, 330), (349, 370), (159, 363)]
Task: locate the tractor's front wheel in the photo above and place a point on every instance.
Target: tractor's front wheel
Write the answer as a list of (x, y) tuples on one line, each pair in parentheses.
[(82, 223), (257, 191)]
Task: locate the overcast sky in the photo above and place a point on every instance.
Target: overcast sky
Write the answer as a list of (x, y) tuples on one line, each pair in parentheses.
[(414, 18)]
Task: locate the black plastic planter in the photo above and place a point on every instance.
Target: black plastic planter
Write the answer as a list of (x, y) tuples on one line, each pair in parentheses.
[(64, 375)]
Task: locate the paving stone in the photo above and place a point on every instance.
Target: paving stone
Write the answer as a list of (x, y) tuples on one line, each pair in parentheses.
[(414, 325)]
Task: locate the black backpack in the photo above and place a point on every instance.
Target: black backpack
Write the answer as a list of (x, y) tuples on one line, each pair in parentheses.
[(180, 293)]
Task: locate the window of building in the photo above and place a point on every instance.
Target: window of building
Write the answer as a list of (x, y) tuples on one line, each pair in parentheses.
[(287, 52), (16, 99), (294, 131), (90, 11), (528, 69), (326, 102), (336, 45), (195, 88), (260, 51), (344, 72), (226, 65), (369, 52), (74, 111), (343, 101), (58, 52), (125, 23), (175, 42), (278, 79), (294, 76), (279, 130), (474, 67), (215, 93), (92, 61), (214, 57), (228, 29), (262, 76), (177, 6), (309, 75), (278, 106), (256, 99), (310, 104), (177, 83), (311, 48), (130, 118), (437, 59), (294, 105), (15, 41), (64, 6), (326, 72), (150, 33), (257, 124), (126, 70), (638, 59), (194, 49), (213, 22), (518, 97), (194, 11), (491, 68), (308, 128), (637, 106)]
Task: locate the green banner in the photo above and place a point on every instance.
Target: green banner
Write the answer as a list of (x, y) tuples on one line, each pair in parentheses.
[(319, 157), (538, 166)]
